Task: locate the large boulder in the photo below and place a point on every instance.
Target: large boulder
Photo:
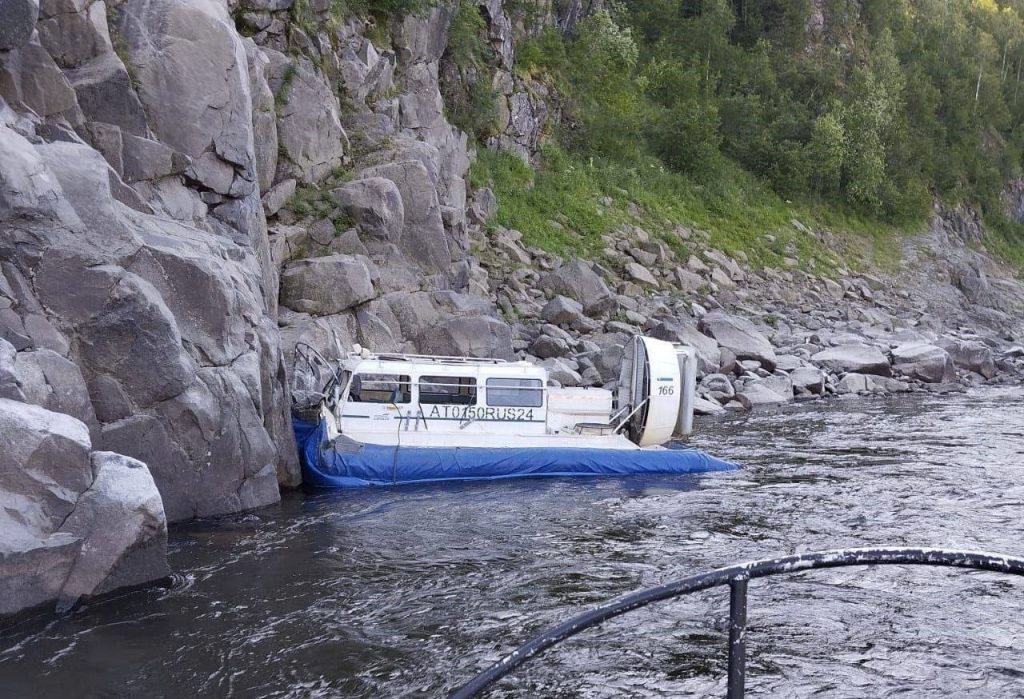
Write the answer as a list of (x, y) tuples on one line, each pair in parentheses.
[(608, 359), (120, 520), (578, 280), (808, 378), (375, 205), (709, 355), (739, 336), (924, 362), (771, 390), (71, 524), (860, 359), (326, 285), (414, 311), (423, 235), (479, 336), (970, 355), (562, 310)]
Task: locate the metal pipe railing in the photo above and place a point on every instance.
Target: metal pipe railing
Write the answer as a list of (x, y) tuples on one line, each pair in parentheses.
[(736, 577)]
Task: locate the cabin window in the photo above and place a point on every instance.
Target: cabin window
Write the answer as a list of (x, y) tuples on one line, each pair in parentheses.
[(515, 393), (380, 388), (447, 390)]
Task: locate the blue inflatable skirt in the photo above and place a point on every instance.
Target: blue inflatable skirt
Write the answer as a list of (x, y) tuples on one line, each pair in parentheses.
[(345, 463)]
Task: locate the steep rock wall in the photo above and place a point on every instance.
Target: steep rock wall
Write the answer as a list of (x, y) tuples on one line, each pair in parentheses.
[(138, 293)]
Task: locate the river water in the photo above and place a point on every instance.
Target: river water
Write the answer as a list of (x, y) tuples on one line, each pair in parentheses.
[(407, 592)]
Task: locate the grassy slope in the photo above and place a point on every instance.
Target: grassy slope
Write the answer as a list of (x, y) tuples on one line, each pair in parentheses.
[(736, 211)]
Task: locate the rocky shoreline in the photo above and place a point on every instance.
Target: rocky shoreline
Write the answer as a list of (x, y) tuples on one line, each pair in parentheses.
[(189, 189)]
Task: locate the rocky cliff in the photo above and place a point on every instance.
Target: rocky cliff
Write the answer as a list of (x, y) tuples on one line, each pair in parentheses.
[(189, 190)]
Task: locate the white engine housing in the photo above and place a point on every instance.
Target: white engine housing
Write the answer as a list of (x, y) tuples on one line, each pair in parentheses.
[(657, 383)]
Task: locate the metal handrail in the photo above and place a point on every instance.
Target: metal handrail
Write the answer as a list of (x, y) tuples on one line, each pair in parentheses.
[(737, 577)]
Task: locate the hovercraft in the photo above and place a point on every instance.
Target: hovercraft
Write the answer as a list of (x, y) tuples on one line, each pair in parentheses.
[(391, 419)]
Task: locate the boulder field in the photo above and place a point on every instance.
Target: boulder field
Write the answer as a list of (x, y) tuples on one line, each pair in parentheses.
[(190, 189)]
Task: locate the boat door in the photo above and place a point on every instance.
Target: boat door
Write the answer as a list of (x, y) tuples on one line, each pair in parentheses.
[(650, 386), (374, 403)]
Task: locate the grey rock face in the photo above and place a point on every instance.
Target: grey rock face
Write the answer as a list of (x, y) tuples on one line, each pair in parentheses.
[(137, 340), (326, 285), (49, 380), (312, 140), (740, 336), (26, 188), (73, 37), (264, 117), (479, 336), (182, 338), (10, 386), (45, 466), (422, 39), (375, 205), (860, 359), (191, 68), (30, 79), (19, 22), (105, 94), (924, 362)]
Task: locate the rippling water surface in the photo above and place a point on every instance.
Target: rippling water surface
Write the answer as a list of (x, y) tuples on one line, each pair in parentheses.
[(408, 592)]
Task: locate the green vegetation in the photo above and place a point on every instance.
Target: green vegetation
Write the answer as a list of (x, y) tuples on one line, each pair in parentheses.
[(718, 113), (468, 95), (315, 201), (568, 203)]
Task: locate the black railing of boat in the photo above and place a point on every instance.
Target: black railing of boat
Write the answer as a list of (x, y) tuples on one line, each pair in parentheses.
[(736, 577)]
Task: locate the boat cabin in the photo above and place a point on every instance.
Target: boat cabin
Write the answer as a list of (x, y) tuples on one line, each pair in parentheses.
[(388, 394)]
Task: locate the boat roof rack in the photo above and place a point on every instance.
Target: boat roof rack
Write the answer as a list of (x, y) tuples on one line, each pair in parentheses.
[(432, 358)]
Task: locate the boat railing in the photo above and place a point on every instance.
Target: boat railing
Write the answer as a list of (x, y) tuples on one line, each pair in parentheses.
[(736, 577)]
